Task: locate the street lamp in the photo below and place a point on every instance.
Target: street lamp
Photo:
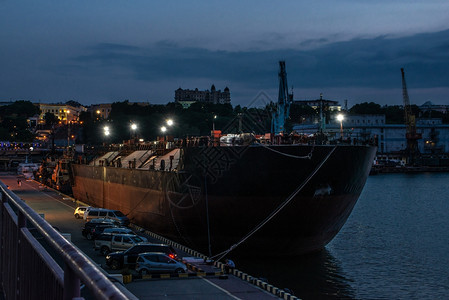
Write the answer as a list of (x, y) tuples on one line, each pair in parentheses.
[(68, 130), (213, 122), (133, 128), (106, 131), (170, 122), (163, 129), (341, 117)]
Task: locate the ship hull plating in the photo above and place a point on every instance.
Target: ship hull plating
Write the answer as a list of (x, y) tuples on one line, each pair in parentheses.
[(218, 195)]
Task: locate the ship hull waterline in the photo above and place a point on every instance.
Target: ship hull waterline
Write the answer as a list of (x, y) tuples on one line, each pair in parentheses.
[(220, 194)]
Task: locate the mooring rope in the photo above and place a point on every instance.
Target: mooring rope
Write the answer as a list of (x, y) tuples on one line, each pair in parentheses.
[(308, 156), (278, 209)]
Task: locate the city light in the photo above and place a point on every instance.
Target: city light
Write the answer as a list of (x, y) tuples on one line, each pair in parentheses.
[(106, 131), (169, 122), (163, 129), (213, 122), (341, 117), (133, 126)]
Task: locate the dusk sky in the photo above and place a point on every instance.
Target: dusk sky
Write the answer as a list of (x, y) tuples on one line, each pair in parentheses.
[(107, 51)]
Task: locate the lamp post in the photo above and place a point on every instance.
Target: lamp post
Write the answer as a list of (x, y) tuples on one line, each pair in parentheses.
[(68, 130), (106, 132), (213, 122), (133, 130), (341, 117), (168, 123)]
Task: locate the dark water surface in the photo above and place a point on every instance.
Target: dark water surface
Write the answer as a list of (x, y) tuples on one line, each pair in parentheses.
[(395, 245)]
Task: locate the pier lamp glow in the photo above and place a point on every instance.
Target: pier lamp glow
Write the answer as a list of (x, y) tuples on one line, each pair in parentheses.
[(163, 129), (133, 130), (213, 122), (170, 122), (341, 117), (106, 131)]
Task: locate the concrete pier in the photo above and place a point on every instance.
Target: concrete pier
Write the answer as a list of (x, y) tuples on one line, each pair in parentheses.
[(204, 281)]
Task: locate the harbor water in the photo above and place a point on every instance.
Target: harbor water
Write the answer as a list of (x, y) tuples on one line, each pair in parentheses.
[(395, 245)]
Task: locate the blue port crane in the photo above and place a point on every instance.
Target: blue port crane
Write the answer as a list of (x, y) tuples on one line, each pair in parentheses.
[(282, 109)]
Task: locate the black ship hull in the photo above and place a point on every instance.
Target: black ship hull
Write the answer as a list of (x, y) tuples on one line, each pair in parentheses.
[(217, 195)]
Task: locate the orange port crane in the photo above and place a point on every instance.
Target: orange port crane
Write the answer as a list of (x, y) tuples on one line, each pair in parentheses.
[(410, 123)]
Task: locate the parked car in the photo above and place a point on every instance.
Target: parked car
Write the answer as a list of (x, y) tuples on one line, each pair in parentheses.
[(79, 211), (118, 260), (116, 242), (95, 226), (94, 212), (157, 262), (124, 230)]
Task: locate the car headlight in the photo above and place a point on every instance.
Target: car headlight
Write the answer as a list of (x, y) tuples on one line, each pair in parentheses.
[(108, 257)]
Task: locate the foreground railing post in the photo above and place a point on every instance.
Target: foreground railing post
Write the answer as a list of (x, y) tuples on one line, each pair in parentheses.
[(2, 236), (71, 283), (21, 223)]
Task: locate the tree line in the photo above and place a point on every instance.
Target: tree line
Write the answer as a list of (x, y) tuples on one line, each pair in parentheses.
[(196, 120)]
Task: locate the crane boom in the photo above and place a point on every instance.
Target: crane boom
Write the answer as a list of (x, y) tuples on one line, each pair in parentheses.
[(281, 114), (407, 108), (410, 123)]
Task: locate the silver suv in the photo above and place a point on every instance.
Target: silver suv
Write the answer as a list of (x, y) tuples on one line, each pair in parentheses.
[(157, 262), (116, 242)]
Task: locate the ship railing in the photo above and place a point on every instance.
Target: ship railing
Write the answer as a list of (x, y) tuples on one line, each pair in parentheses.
[(36, 261)]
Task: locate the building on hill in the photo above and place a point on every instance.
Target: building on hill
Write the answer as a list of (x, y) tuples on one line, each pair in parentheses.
[(187, 97), (100, 111), (62, 111)]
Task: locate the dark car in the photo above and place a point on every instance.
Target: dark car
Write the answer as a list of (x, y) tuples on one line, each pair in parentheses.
[(95, 227), (118, 260)]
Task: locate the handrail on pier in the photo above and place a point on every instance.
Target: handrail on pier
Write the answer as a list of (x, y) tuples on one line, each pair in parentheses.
[(21, 254)]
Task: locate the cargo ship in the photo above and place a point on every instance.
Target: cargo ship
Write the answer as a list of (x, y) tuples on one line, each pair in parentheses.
[(251, 196), (211, 197)]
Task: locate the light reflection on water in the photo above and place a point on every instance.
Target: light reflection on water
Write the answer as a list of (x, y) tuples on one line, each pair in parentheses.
[(313, 276), (395, 245)]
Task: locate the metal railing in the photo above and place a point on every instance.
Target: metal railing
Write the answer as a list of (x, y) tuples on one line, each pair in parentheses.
[(28, 271)]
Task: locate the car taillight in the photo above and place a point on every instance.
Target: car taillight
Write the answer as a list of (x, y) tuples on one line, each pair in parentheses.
[(171, 255)]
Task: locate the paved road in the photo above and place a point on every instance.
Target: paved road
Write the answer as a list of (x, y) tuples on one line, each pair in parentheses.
[(58, 211)]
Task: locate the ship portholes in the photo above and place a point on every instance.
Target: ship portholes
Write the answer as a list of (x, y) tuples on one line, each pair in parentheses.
[(183, 190)]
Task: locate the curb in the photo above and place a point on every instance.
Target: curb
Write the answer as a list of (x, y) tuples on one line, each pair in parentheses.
[(181, 275), (257, 282)]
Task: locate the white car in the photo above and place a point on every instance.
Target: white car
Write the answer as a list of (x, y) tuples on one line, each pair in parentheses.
[(79, 211)]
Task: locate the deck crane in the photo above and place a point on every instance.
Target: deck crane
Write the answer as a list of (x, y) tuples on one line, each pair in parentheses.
[(282, 111), (411, 135)]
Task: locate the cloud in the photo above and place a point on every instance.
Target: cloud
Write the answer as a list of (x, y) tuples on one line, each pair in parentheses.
[(357, 63), (358, 70)]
